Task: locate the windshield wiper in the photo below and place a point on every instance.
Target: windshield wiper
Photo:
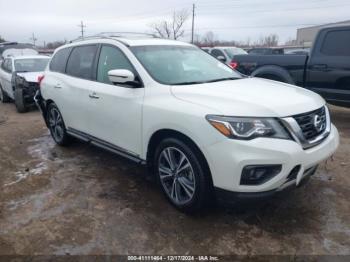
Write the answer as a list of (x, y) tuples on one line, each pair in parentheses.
[(203, 82), (222, 79), (188, 83)]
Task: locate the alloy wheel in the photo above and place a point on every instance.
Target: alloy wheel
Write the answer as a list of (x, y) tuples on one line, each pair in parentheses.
[(56, 124), (176, 175)]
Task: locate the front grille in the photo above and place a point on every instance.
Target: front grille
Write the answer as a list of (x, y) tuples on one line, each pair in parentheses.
[(312, 124)]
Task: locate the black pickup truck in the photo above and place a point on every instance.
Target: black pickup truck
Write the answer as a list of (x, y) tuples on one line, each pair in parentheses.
[(325, 71)]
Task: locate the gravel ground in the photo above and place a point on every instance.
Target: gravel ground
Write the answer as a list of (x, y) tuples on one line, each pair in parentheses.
[(83, 200)]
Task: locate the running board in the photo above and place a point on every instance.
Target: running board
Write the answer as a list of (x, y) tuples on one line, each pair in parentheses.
[(105, 145)]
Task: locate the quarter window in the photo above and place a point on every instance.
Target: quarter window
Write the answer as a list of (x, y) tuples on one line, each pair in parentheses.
[(59, 61), (337, 43), (216, 53), (81, 60), (111, 58)]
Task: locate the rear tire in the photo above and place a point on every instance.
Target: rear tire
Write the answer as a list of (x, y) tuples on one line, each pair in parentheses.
[(56, 125), (181, 175), (20, 101), (4, 98)]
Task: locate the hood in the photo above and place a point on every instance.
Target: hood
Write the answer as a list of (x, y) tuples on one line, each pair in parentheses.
[(31, 76), (250, 97)]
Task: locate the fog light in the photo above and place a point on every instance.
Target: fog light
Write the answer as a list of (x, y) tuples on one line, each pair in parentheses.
[(257, 175)]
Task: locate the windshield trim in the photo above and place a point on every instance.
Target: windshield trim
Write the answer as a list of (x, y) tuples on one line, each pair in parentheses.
[(180, 84)]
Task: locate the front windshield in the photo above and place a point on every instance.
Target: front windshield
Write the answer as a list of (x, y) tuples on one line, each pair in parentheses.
[(231, 52), (181, 65), (31, 64)]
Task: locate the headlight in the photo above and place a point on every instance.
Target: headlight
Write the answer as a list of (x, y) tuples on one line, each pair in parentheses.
[(248, 128)]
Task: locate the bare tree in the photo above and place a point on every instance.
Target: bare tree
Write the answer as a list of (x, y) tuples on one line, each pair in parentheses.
[(209, 39), (267, 41), (291, 41), (172, 28), (54, 45)]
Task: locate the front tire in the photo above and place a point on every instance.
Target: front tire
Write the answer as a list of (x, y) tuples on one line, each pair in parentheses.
[(4, 98), (20, 101), (56, 125), (182, 175)]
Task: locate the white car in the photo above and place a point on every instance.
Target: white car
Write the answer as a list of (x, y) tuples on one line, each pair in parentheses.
[(226, 54), (202, 128), (19, 79)]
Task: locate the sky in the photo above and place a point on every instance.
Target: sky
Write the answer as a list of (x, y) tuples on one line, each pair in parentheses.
[(238, 20)]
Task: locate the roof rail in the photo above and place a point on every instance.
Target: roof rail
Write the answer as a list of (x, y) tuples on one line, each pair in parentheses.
[(127, 34), (110, 35)]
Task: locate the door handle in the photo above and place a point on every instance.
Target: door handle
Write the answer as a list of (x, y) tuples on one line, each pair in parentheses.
[(58, 86), (94, 96)]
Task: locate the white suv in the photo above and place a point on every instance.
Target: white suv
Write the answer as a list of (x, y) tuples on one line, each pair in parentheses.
[(201, 127)]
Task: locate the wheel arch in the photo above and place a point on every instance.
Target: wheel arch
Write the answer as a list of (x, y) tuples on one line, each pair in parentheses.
[(161, 134), (274, 71), (44, 109)]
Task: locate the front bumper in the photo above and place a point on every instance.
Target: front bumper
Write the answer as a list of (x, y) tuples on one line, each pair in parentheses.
[(232, 198), (227, 159)]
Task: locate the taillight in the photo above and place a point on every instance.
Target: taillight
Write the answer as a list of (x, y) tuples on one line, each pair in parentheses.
[(233, 64), (40, 79)]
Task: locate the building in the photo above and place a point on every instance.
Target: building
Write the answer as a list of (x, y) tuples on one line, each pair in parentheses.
[(306, 35)]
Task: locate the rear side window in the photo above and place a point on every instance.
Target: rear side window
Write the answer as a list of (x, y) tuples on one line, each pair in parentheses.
[(277, 52), (59, 61), (81, 61), (337, 43), (216, 53), (111, 58)]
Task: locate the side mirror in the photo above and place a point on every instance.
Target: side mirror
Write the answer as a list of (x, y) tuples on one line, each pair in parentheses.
[(123, 76), (221, 58)]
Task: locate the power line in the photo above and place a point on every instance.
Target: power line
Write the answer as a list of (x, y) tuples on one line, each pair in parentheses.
[(82, 26), (248, 26), (229, 9)]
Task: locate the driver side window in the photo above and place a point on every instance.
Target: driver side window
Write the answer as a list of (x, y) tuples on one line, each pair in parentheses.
[(111, 58), (7, 65)]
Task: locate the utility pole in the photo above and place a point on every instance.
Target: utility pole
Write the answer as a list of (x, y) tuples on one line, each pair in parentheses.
[(33, 39), (193, 14), (82, 26)]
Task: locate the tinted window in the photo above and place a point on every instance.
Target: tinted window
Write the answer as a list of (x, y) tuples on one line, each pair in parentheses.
[(59, 61), (81, 60), (231, 52), (337, 43), (217, 53), (111, 58), (258, 51), (277, 51)]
